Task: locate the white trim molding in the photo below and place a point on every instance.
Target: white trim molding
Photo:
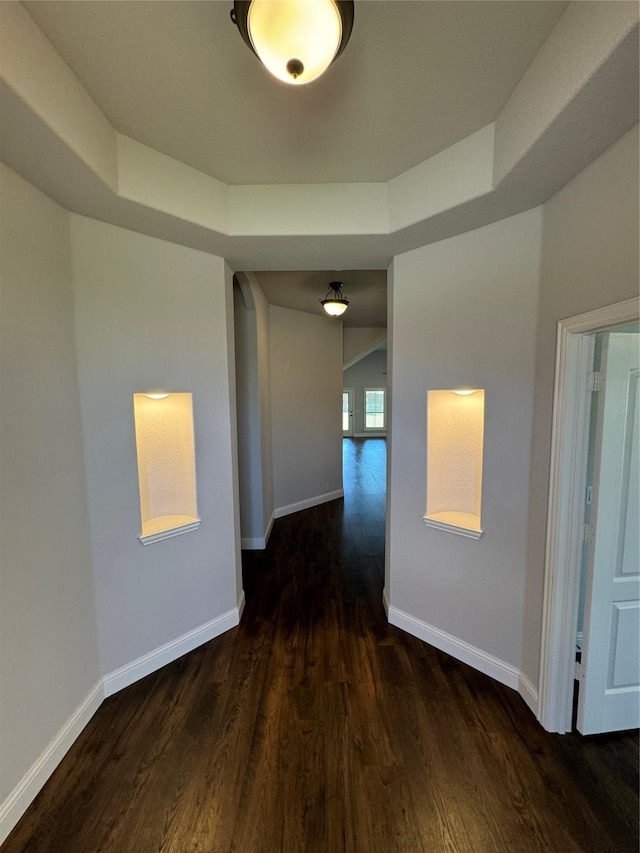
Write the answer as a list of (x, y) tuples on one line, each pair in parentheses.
[(258, 543), (18, 801), (34, 779), (385, 601), (502, 671), (279, 512), (267, 532), (574, 358), (153, 660), (150, 538), (528, 692), (468, 532)]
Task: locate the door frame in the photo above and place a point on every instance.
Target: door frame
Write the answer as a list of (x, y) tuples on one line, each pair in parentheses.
[(351, 392), (567, 482)]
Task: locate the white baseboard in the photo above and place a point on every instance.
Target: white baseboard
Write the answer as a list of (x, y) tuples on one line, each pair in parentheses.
[(258, 543), (385, 601), (26, 790), (529, 693), (267, 532), (137, 669), (308, 503), (502, 671), (31, 783)]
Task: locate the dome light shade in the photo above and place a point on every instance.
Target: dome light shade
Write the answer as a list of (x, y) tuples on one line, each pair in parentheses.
[(334, 302), (296, 40)]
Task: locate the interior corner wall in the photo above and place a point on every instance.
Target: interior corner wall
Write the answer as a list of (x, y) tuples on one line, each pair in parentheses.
[(152, 315), (252, 522), (589, 260), (464, 314), (231, 469), (254, 411), (306, 385), (369, 372), (264, 383), (49, 653)]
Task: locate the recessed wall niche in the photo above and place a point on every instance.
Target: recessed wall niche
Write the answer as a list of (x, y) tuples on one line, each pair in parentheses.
[(455, 439), (166, 465)]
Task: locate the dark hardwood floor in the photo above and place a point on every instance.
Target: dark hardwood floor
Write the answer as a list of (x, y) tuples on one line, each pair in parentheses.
[(315, 726)]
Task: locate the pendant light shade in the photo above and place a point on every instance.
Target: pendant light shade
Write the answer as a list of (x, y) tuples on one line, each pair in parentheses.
[(296, 40), (334, 302)]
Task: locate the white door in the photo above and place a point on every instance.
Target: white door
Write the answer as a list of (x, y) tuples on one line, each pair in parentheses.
[(347, 411), (609, 688)]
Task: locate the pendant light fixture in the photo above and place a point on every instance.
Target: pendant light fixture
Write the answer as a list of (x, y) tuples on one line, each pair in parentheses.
[(334, 302), (296, 40)]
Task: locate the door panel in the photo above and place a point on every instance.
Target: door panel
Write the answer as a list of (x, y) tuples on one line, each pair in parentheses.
[(609, 690), (625, 659)]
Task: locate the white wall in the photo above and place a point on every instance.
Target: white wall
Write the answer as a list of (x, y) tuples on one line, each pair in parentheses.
[(369, 372), (589, 260), (49, 652), (306, 385), (464, 314), (153, 315)]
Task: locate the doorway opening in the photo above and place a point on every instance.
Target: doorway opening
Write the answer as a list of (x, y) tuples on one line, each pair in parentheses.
[(364, 473), (567, 532), (347, 412), (364, 420)]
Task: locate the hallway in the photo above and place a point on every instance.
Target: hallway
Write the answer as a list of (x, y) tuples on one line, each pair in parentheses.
[(315, 726)]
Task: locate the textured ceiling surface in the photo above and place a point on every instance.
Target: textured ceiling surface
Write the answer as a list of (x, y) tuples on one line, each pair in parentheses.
[(415, 78)]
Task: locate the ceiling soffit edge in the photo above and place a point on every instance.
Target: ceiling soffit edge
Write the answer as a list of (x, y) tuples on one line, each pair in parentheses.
[(453, 180)]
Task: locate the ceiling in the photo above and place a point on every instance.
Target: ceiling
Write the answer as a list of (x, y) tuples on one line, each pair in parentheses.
[(490, 105), (415, 78), (366, 291)]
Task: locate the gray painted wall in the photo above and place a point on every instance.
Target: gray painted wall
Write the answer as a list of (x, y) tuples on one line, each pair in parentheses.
[(252, 521), (589, 260), (154, 315), (48, 642), (464, 314), (306, 385)]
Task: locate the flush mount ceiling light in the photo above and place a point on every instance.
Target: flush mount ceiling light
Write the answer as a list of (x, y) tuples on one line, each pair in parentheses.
[(334, 302), (296, 40)]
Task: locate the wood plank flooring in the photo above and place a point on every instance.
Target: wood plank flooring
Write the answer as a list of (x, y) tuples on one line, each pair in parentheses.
[(316, 726)]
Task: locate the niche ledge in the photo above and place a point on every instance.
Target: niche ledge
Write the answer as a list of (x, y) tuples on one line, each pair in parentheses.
[(460, 523), (166, 527)]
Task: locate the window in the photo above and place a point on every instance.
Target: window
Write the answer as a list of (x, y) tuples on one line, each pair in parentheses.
[(374, 415)]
